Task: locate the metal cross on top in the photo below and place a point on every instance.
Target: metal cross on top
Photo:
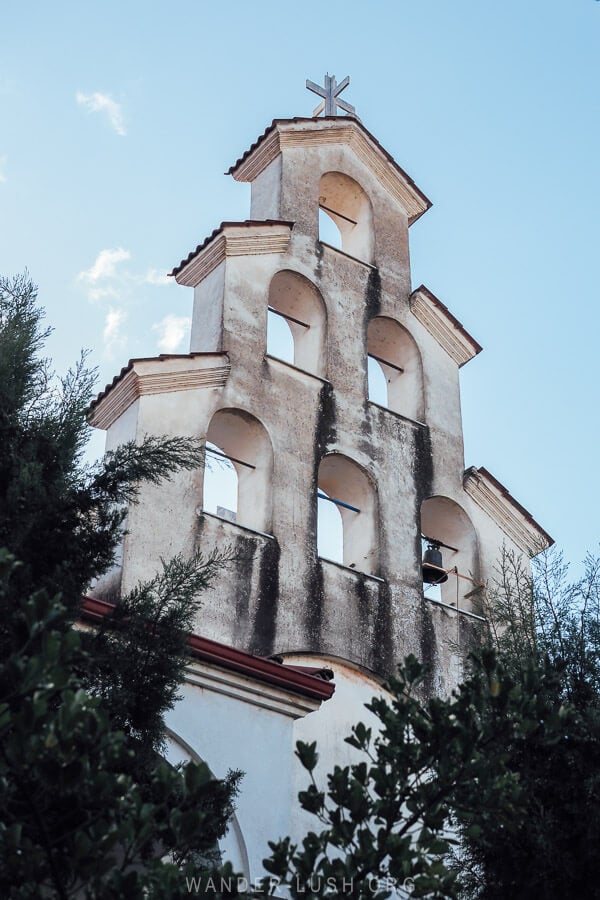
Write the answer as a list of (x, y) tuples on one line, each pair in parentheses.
[(331, 93)]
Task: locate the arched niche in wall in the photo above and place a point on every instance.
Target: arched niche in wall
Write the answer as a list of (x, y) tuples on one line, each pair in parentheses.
[(445, 521), (394, 353), (346, 485), (346, 204), (295, 301), (237, 440)]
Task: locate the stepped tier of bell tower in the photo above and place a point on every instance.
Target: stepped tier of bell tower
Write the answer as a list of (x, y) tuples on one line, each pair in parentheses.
[(303, 429)]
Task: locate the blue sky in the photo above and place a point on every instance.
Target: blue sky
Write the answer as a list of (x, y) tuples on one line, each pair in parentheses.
[(118, 120)]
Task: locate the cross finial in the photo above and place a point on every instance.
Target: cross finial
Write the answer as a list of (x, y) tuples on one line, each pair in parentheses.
[(330, 93)]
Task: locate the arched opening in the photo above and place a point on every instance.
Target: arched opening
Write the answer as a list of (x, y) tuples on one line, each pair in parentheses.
[(377, 382), (238, 469), (394, 368), (296, 313), (220, 484), (345, 203), (330, 529), (445, 525), (345, 485), (329, 233), (280, 340)]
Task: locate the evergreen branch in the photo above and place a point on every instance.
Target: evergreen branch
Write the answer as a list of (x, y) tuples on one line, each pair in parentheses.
[(123, 470)]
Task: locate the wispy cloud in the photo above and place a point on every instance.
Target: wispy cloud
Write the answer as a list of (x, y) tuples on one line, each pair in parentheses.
[(2, 167), (156, 276), (104, 103), (112, 335), (172, 330), (110, 284), (105, 265)]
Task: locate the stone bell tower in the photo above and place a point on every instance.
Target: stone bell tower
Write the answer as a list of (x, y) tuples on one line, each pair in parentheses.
[(306, 430)]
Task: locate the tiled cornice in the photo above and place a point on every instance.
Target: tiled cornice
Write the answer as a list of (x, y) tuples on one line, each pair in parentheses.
[(512, 518), (443, 326), (243, 239), (157, 376), (319, 133)]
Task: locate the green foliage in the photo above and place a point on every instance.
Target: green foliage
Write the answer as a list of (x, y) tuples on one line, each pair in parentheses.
[(74, 819), (492, 793), (547, 626), (87, 807), (385, 819), (59, 516), (137, 654), (547, 617)]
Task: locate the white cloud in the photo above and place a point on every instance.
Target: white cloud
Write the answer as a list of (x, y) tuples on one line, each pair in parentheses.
[(110, 280), (102, 293), (156, 276), (104, 265), (172, 330), (98, 102), (112, 336), (2, 165)]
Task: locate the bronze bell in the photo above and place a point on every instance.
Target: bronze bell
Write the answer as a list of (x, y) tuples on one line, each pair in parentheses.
[(432, 563)]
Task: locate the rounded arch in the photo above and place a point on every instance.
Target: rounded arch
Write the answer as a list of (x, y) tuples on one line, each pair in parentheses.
[(296, 299), (348, 486), (444, 520), (233, 846), (393, 349), (349, 208), (243, 444)]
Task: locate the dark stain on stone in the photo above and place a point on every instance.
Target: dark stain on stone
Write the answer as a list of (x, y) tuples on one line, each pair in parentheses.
[(241, 567), (313, 621), (245, 554), (423, 463), (265, 619), (372, 296), (427, 647), (423, 474), (384, 662), (319, 257), (325, 432), (325, 435), (372, 308), (365, 606)]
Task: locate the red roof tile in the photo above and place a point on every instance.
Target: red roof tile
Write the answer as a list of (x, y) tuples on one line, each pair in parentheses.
[(458, 325), (506, 493), (371, 137), (308, 682), (163, 356), (246, 223)]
